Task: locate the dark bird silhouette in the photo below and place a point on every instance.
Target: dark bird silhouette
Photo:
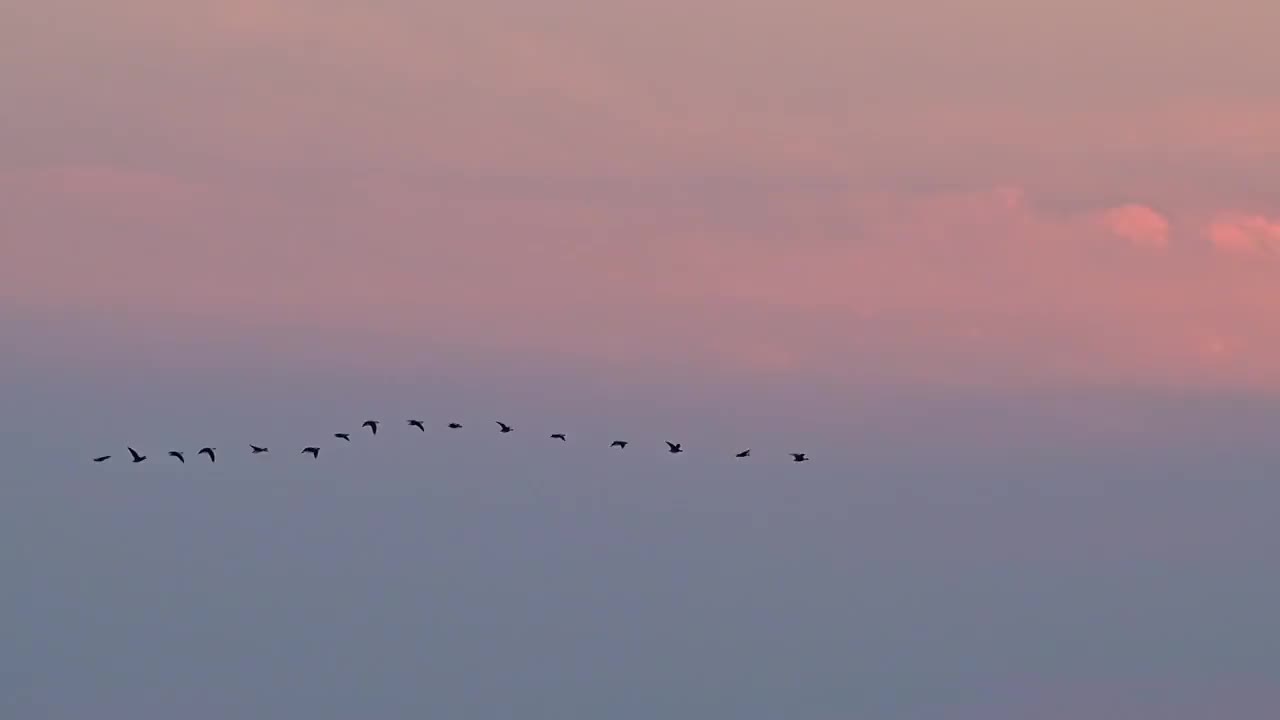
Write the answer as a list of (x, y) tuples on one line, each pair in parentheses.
[(371, 424), (558, 436), (102, 458), (344, 436), (620, 444), (255, 450), (799, 457), (181, 458), (418, 424), (136, 457), (744, 453), (454, 426), (503, 427), (315, 451), (673, 448), (207, 451)]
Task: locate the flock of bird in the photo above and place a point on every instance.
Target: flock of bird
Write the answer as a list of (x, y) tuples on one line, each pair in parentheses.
[(314, 451)]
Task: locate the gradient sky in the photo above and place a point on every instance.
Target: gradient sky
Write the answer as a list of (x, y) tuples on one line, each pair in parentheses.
[(1009, 270)]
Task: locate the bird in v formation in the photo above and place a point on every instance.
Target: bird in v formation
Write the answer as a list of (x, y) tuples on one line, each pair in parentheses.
[(672, 448)]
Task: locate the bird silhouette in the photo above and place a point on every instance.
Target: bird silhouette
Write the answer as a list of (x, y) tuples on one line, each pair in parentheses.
[(418, 424), (503, 427), (344, 436), (744, 453), (620, 444), (371, 424), (207, 451), (558, 436), (315, 451), (181, 458), (136, 457), (454, 425), (673, 448), (799, 457), (102, 458), (255, 450)]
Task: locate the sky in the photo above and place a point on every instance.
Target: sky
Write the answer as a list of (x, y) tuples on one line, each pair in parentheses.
[(1007, 270)]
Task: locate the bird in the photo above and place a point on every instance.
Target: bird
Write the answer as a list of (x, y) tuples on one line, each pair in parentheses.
[(558, 436), (418, 424), (371, 424), (315, 451), (620, 444), (207, 451), (255, 450), (181, 458), (673, 448), (799, 457), (102, 458), (503, 427), (136, 457), (344, 436), (454, 425), (744, 453)]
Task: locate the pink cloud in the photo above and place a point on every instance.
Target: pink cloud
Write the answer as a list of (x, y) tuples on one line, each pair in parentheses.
[(1241, 234), (973, 285), (1138, 224), (110, 191)]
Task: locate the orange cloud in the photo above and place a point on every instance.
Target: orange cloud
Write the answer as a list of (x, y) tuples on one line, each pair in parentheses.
[(1241, 234), (1138, 224)]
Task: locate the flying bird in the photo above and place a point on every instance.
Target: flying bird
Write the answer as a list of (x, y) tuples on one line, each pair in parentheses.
[(136, 457), (454, 425), (255, 450), (744, 453), (207, 451), (503, 427), (620, 444), (102, 458), (673, 448), (344, 436), (799, 457), (418, 424), (558, 436), (181, 458), (371, 424), (315, 451)]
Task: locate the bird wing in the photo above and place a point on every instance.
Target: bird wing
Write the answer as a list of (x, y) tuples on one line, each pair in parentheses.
[(134, 453)]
